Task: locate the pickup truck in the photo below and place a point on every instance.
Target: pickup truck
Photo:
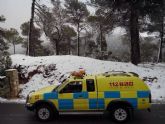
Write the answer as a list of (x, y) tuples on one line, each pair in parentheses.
[(119, 93)]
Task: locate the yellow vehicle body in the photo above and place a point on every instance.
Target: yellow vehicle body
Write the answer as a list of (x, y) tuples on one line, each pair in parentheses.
[(107, 88)]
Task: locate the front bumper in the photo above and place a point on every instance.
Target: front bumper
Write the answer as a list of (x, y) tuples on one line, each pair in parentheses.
[(29, 107)]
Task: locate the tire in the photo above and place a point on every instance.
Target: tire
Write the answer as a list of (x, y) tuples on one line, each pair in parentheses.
[(44, 113), (120, 114)]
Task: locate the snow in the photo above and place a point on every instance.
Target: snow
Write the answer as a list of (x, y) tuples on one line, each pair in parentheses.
[(11, 70), (146, 34), (119, 31), (36, 82), (2, 77), (19, 101), (153, 73)]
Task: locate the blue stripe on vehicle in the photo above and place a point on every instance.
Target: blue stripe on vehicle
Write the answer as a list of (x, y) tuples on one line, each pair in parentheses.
[(81, 95), (96, 104), (65, 104), (132, 101), (101, 104), (52, 95), (143, 94), (111, 94), (92, 103)]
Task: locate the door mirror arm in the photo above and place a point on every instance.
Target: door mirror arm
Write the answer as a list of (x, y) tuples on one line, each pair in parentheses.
[(60, 92)]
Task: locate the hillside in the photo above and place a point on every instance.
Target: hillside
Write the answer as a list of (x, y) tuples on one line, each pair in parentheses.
[(44, 71)]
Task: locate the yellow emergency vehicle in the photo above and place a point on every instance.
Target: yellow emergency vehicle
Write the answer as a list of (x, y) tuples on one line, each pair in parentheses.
[(117, 92)]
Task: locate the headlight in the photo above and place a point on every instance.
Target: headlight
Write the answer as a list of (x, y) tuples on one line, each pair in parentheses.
[(31, 92), (29, 95)]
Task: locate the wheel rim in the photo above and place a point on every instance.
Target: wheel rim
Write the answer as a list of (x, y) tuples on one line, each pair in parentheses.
[(43, 113), (120, 114)]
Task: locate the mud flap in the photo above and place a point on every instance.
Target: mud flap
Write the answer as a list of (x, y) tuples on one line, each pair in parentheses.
[(149, 110), (131, 112)]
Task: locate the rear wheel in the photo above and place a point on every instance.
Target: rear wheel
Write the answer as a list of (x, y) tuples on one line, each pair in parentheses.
[(44, 113), (120, 114)]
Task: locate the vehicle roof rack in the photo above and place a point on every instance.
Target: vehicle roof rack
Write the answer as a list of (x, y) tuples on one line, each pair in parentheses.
[(115, 73), (134, 74)]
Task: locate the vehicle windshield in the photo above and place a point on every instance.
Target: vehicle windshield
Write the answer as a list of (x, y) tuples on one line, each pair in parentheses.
[(55, 89), (59, 86)]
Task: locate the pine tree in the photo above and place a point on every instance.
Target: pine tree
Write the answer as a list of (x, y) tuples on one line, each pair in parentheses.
[(53, 23), (77, 13), (128, 13), (37, 43), (157, 23), (4, 55), (30, 47), (69, 33), (12, 36), (103, 24)]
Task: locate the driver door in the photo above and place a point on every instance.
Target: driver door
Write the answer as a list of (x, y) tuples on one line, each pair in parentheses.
[(72, 97)]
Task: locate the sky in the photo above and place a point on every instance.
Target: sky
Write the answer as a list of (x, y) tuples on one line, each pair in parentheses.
[(15, 11)]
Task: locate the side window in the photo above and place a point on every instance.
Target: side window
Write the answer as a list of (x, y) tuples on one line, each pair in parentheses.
[(72, 87), (90, 85)]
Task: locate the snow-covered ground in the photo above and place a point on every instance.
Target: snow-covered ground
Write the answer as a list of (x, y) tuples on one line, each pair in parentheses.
[(63, 65), (19, 101)]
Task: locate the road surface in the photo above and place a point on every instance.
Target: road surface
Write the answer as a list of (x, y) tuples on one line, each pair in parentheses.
[(17, 114)]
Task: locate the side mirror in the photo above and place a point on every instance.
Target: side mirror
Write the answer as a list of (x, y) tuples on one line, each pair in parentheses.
[(60, 92)]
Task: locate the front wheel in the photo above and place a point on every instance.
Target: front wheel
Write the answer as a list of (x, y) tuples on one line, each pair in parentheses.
[(120, 114), (44, 113)]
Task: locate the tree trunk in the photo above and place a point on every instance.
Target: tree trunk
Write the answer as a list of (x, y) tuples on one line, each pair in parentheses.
[(85, 46), (57, 47), (161, 36), (14, 47), (27, 48), (69, 46), (103, 44), (161, 45), (31, 49), (78, 39), (101, 39), (78, 36), (134, 33)]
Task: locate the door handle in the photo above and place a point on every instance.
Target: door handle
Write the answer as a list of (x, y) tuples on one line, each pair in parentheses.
[(80, 96)]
